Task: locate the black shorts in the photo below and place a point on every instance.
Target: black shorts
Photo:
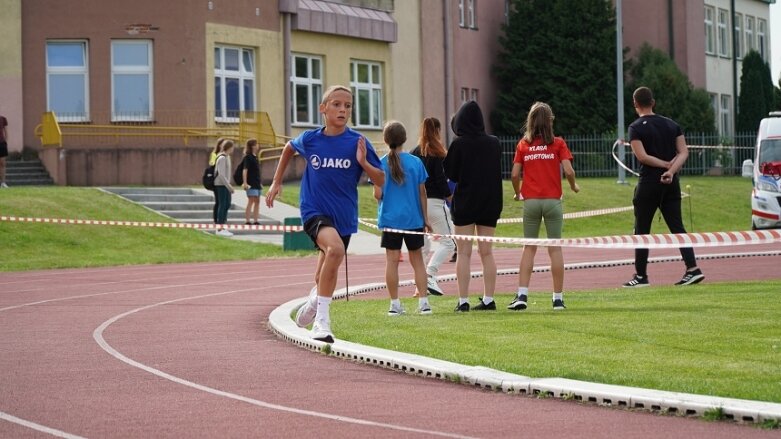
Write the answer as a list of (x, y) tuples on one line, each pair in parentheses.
[(312, 228), (393, 240), (3, 149), (487, 222)]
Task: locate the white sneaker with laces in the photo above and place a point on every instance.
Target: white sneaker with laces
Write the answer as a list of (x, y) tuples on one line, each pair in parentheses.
[(425, 310), (321, 331), (307, 312), (433, 287), (224, 232)]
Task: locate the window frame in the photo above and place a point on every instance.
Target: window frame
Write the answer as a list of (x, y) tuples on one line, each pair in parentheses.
[(762, 37), (723, 34), (461, 13), (738, 36), (222, 115), (135, 70), (749, 31), (471, 14), (725, 112), (310, 83), (69, 70), (356, 86), (710, 38)]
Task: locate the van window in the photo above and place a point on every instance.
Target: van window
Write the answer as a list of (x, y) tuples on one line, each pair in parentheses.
[(770, 151)]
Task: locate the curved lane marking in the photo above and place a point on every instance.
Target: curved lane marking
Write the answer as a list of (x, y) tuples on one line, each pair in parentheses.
[(38, 427)]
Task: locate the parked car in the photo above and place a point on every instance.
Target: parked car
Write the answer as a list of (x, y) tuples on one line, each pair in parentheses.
[(766, 175)]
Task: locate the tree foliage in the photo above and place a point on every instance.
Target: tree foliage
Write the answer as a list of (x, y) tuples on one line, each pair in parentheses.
[(757, 97), (674, 94), (561, 52)]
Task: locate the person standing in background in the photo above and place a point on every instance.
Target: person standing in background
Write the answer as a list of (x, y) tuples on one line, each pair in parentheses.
[(251, 181), (3, 149), (222, 187)]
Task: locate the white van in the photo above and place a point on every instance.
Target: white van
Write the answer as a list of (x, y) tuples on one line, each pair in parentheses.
[(766, 176)]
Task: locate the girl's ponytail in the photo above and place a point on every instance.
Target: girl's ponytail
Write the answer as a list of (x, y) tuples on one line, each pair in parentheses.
[(395, 135)]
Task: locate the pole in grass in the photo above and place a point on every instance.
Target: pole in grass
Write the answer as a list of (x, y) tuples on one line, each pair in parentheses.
[(346, 279), (691, 215)]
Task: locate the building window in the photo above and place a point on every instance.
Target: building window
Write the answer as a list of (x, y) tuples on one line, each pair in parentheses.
[(762, 38), (471, 14), (714, 103), (710, 33), (468, 94), (738, 35), (750, 34), (461, 13), (725, 115), (234, 82), (131, 80), (723, 32), (67, 80), (306, 89), (366, 84)]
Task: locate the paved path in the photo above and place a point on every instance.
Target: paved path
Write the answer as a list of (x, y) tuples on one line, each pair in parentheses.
[(227, 376)]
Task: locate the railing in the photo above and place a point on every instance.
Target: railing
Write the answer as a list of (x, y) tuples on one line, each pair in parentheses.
[(708, 154)]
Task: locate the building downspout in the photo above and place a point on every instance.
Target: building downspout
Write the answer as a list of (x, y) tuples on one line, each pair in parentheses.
[(447, 34), (286, 49), (734, 66)]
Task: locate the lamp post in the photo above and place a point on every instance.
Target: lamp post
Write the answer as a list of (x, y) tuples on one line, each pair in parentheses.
[(620, 91)]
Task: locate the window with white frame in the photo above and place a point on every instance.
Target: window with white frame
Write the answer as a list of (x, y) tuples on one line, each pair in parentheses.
[(724, 115), (762, 38), (471, 14), (67, 80), (366, 84), (750, 34), (461, 13), (306, 89), (714, 103), (723, 32), (234, 82), (738, 36), (468, 94), (131, 80), (710, 33)]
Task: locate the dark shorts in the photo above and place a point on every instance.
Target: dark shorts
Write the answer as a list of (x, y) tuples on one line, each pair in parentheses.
[(312, 228), (3, 149), (487, 222), (393, 240)]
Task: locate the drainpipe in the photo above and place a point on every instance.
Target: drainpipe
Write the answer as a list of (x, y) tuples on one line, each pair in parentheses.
[(448, 33), (286, 49), (734, 66)]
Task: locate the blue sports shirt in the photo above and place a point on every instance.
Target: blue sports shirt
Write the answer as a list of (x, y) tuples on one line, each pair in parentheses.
[(400, 204), (330, 183)]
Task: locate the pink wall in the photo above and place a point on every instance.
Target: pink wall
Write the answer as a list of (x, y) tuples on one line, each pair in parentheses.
[(11, 108)]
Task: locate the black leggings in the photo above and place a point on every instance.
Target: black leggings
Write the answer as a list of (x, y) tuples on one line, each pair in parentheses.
[(667, 198)]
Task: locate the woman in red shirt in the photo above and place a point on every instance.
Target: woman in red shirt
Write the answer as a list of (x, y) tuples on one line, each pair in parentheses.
[(541, 156)]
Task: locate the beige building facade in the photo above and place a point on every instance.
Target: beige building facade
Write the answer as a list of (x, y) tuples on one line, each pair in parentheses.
[(11, 102)]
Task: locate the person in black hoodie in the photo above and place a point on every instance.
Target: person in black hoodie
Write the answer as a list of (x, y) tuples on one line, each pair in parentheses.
[(473, 162)]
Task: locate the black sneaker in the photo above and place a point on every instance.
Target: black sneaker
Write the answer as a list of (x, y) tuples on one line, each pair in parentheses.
[(558, 304), (519, 303), (462, 307), (454, 257), (691, 278), (485, 307), (637, 282)]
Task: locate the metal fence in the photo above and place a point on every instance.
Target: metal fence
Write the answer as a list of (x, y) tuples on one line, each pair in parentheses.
[(709, 154)]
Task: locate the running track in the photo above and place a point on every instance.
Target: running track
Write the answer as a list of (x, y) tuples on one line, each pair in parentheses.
[(204, 324)]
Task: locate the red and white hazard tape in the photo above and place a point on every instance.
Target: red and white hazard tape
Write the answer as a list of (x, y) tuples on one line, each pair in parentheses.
[(666, 240), (582, 214), (86, 222)]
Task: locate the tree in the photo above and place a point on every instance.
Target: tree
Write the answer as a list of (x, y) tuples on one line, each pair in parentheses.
[(674, 94), (756, 92), (561, 52)]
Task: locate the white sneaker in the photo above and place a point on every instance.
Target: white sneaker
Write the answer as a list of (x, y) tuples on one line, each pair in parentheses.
[(307, 312), (224, 232), (321, 331), (3, 185), (433, 287), (395, 311), (424, 310)]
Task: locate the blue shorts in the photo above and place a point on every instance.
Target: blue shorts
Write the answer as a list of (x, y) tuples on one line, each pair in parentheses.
[(253, 192)]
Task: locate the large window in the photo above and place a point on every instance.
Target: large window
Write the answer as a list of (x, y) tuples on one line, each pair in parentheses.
[(762, 38), (710, 32), (366, 84), (723, 32), (306, 89), (738, 36), (714, 103), (131, 80), (750, 34), (234, 82), (725, 115), (67, 81)]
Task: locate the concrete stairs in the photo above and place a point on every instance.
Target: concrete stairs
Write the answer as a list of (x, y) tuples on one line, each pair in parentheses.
[(27, 173), (186, 205)]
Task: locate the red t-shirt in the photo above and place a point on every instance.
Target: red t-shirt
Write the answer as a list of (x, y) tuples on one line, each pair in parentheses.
[(541, 167)]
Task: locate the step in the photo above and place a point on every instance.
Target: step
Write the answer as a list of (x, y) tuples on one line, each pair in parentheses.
[(166, 198), (29, 182), (23, 173), (199, 215), (149, 190), (174, 206), (13, 164)]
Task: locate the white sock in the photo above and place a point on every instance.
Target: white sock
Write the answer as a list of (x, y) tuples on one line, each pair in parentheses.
[(422, 301), (523, 290), (558, 296), (323, 308), (463, 300), (395, 303), (487, 299)]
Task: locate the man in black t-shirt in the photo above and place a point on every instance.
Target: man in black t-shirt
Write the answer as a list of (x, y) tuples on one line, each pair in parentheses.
[(659, 145)]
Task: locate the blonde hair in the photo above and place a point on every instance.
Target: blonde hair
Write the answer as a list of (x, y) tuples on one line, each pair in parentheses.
[(395, 135), (430, 141), (330, 90), (539, 122), (248, 147)]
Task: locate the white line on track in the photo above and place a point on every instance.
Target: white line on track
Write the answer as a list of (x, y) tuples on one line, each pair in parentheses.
[(98, 336), (38, 427)]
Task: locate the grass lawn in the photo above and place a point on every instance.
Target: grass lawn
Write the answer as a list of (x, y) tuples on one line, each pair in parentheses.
[(717, 204), (28, 246), (715, 339)]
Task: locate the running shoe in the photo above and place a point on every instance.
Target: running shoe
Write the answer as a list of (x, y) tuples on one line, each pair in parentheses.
[(321, 331), (462, 307), (433, 287), (519, 303), (306, 313), (691, 278), (558, 305), (637, 282), (395, 311), (482, 306)]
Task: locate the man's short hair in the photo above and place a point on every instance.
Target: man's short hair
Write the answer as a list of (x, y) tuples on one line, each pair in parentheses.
[(644, 97)]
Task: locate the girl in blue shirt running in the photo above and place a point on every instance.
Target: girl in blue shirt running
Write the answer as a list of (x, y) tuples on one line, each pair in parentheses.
[(402, 206), (336, 157)]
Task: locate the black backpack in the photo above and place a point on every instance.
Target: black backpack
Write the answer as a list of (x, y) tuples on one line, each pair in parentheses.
[(238, 174), (208, 177)]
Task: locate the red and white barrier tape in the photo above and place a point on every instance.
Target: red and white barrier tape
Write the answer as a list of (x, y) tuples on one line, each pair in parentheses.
[(86, 222)]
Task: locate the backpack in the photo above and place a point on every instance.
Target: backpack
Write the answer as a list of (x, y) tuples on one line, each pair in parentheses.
[(208, 177), (238, 174)]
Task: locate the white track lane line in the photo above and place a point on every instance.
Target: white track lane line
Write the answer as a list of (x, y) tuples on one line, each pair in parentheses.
[(38, 427), (98, 336)]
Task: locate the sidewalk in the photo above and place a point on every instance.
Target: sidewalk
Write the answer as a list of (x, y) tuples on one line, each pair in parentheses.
[(361, 243)]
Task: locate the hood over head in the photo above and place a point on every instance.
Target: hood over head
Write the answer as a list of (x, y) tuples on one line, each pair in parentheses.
[(468, 120)]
